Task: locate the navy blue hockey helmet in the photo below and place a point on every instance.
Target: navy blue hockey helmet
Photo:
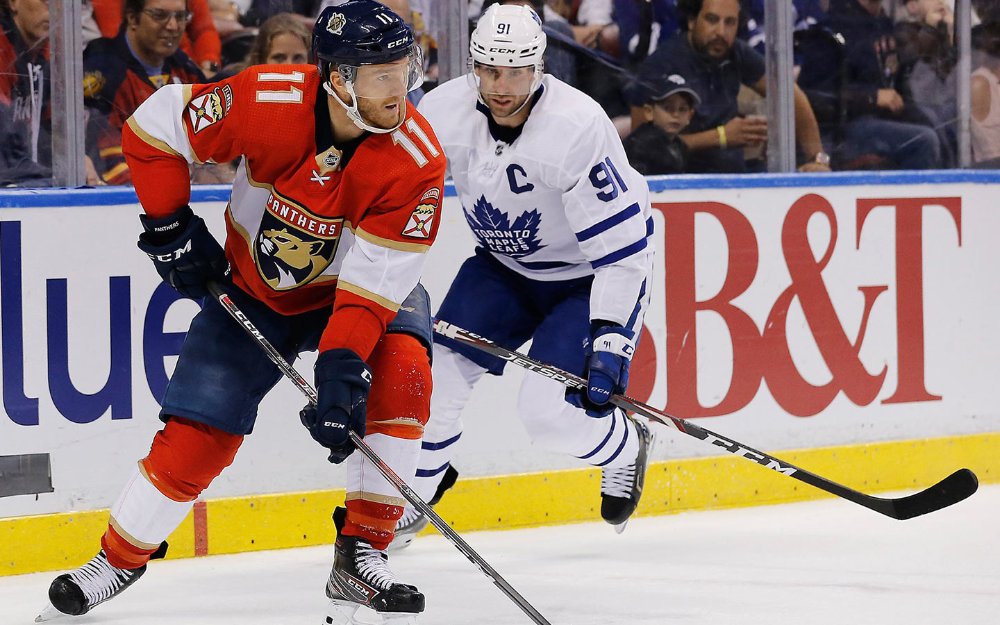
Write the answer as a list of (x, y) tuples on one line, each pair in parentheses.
[(361, 32), (350, 38)]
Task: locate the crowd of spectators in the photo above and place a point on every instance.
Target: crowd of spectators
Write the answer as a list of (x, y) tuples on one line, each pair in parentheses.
[(683, 80)]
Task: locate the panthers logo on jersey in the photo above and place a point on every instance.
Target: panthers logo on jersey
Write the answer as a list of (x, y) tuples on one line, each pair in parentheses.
[(293, 247)]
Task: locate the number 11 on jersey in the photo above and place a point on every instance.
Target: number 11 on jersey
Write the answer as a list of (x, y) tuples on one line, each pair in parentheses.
[(400, 139)]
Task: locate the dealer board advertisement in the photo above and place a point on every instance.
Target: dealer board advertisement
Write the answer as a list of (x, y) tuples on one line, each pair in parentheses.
[(787, 313)]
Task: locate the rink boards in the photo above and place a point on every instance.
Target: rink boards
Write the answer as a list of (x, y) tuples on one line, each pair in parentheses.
[(846, 323)]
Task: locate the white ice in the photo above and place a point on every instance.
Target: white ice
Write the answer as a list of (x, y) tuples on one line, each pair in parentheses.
[(820, 563)]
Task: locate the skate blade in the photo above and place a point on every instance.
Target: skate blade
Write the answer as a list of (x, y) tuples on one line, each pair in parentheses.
[(399, 618), (400, 543), (48, 613), (341, 612), (620, 527), (350, 613)]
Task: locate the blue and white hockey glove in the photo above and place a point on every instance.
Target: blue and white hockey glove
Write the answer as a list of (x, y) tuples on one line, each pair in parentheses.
[(342, 384), (609, 356), (184, 252)]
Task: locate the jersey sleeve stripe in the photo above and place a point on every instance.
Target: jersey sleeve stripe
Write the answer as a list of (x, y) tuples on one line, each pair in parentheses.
[(606, 224), (149, 139), (418, 248), (616, 256), (162, 117), (368, 295), (384, 272)]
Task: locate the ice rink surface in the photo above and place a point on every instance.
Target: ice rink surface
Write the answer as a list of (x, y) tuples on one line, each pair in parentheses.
[(820, 563)]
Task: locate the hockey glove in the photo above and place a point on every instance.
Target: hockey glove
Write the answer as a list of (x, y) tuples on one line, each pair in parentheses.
[(608, 358), (342, 384), (184, 252)]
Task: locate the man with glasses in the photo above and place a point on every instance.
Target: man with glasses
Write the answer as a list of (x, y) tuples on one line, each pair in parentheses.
[(121, 73)]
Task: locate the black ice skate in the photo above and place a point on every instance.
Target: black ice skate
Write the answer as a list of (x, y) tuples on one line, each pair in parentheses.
[(621, 488), (77, 592), (413, 521), (361, 579)]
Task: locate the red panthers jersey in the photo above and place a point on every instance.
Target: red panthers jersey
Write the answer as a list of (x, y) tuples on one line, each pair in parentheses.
[(309, 223)]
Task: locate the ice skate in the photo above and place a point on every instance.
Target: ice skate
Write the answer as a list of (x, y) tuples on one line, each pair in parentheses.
[(78, 592), (413, 521), (621, 488), (361, 581)]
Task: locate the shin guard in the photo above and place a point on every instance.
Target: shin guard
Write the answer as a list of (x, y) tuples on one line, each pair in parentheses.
[(398, 408), (184, 459)]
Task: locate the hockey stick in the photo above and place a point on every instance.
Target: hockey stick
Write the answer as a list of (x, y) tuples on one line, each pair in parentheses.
[(950, 490), (383, 468)]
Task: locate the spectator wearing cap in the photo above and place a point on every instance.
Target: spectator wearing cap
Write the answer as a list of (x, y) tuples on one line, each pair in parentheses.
[(655, 147), (715, 64)]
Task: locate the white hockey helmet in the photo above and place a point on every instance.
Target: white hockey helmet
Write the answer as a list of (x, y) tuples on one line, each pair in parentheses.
[(508, 36), (506, 60)]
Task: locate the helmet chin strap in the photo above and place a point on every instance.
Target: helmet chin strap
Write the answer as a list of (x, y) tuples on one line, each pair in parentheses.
[(355, 115)]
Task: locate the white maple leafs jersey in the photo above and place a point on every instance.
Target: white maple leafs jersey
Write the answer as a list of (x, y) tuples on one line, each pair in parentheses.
[(560, 202)]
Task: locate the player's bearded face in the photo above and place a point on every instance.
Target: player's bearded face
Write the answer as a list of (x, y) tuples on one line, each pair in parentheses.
[(381, 92), (504, 89)]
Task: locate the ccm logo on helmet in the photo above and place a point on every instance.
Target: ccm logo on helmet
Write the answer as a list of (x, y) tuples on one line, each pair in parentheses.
[(397, 43), (503, 50)]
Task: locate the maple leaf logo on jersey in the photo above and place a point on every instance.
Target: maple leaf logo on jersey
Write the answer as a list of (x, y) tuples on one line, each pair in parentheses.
[(495, 231)]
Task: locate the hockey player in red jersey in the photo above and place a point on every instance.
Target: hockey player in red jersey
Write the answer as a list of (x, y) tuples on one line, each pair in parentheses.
[(332, 212)]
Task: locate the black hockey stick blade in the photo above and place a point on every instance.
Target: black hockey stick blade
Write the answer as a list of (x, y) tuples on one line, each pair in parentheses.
[(387, 472), (958, 486), (951, 490)]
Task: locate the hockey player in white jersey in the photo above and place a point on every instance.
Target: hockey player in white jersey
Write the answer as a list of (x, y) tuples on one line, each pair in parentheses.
[(564, 258)]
